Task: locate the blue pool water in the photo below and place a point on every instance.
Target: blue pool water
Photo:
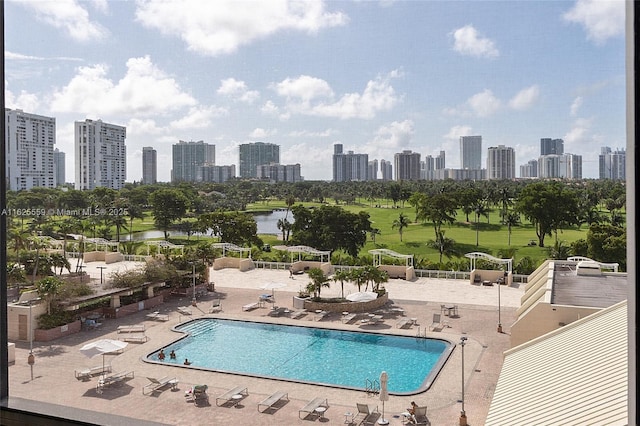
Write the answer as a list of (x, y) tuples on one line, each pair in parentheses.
[(311, 355)]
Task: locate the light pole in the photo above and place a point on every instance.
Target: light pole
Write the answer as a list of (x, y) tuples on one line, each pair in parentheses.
[(101, 269), (499, 319), (463, 414), (193, 275), (31, 359)]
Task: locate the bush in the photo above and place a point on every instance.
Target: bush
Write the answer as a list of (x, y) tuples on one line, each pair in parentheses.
[(55, 319)]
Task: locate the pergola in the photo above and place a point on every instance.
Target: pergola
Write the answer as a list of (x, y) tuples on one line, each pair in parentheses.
[(300, 250), (100, 242), (379, 253), (162, 244), (232, 247), (610, 266), (479, 255)]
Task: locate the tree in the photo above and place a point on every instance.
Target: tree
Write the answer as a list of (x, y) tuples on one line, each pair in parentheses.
[(445, 246), (341, 276), (169, 205), (480, 208), (511, 219), (400, 223), (48, 289), (318, 280), (439, 209), (373, 233)]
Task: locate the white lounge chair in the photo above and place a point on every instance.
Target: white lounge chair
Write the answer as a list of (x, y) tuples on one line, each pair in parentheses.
[(320, 315), (113, 379), (86, 373), (312, 408), (232, 395), (155, 385), (348, 318), (138, 337), (158, 316), (250, 306), (272, 400), (366, 414), (184, 310), (403, 323), (131, 328), (437, 322), (299, 313), (216, 306)]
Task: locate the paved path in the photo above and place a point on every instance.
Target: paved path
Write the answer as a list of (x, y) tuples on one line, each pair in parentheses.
[(54, 380)]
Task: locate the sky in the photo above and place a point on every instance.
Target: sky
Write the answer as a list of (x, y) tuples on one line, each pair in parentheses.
[(378, 77)]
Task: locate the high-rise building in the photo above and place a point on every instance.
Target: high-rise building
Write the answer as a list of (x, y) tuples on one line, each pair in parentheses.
[(471, 152), (386, 170), (149, 165), (217, 174), (257, 154), (573, 166), (349, 166), (373, 170), (565, 166), (427, 168), (188, 157), (280, 172), (529, 170), (28, 156), (407, 165), (441, 161), (101, 155), (501, 162), (612, 164), (59, 167), (550, 146)]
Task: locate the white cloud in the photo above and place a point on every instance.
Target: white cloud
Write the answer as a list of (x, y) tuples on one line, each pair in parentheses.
[(69, 16), (24, 101), (484, 104), (525, 98), (601, 20), (578, 133), (398, 134), (237, 90), (20, 57), (303, 89), (223, 26), (467, 41), (260, 133), (308, 134), (451, 144), (456, 131), (198, 117), (308, 155), (575, 105), (145, 90)]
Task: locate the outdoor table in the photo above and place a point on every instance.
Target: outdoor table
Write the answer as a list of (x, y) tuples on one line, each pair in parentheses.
[(450, 309), (347, 420), (236, 398), (320, 411)]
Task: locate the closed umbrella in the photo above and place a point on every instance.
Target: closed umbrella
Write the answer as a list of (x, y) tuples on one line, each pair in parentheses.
[(272, 286), (102, 347), (384, 395), (364, 296)]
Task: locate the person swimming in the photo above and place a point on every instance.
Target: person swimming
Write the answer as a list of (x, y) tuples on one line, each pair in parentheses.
[(172, 354)]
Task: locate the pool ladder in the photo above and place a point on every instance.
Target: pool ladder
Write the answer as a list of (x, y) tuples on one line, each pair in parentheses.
[(418, 335), (371, 387)]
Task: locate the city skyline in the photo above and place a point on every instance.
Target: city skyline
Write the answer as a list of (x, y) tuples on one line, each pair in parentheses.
[(378, 77)]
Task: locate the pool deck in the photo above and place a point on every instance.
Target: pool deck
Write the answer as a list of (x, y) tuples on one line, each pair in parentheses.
[(54, 381)]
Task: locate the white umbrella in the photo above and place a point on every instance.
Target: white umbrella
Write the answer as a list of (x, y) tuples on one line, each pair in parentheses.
[(384, 395), (364, 296), (102, 347), (272, 286)]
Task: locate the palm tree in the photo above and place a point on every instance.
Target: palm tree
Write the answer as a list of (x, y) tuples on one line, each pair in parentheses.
[(65, 228), (445, 246), (358, 276), (480, 209), (511, 219), (373, 233), (318, 280), (48, 289), (342, 275), (400, 223), (134, 212)]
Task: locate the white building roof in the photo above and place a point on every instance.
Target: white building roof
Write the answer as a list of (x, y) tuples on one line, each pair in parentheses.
[(575, 375)]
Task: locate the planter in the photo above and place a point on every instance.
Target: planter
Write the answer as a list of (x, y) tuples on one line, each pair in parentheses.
[(372, 305), (40, 335)]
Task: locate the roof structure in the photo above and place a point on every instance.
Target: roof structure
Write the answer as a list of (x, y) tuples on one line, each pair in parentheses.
[(324, 255), (611, 266), (574, 375), (164, 245), (479, 255), (100, 242), (227, 247), (378, 254)]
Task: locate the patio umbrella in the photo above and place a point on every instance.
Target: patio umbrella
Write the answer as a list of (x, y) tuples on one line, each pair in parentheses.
[(364, 296), (102, 347), (272, 286), (384, 395)]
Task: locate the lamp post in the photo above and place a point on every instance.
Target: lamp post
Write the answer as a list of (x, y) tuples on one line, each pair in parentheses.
[(101, 269), (31, 359), (81, 274), (499, 319), (463, 414), (193, 276)]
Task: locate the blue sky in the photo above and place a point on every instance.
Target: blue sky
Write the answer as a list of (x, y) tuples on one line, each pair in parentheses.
[(377, 76)]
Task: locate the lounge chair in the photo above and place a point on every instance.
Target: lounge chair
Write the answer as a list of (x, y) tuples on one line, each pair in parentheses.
[(131, 328), (216, 306), (158, 316), (299, 313), (320, 315), (437, 322), (184, 310), (269, 402), (113, 379), (232, 395), (420, 416), (133, 337), (403, 322), (312, 408), (157, 384), (348, 318), (198, 395), (93, 371), (366, 414), (250, 306)]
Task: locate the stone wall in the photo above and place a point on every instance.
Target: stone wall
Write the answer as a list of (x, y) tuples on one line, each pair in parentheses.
[(372, 305), (54, 333)]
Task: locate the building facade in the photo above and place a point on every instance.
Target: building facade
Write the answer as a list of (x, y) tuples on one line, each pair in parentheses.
[(529, 170), (257, 154), (550, 146), (59, 167), (101, 155), (29, 141), (501, 162), (280, 172), (149, 165), (386, 170), (216, 174), (407, 165), (373, 170), (471, 152), (187, 157), (349, 166), (565, 166), (611, 164)]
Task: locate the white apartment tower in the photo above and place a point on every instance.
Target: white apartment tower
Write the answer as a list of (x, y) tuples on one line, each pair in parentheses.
[(471, 152), (101, 155), (501, 162), (29, 140), (149, 165)]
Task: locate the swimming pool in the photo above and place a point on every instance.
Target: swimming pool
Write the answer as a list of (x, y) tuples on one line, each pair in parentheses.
[(337, 358)]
